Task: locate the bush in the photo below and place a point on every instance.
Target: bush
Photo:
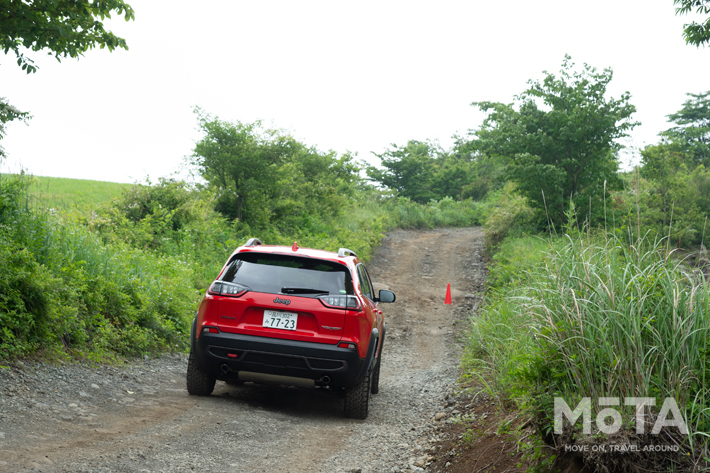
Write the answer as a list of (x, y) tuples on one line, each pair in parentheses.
[(512, 255), (63, 290), (170, 218), (127, 279), (510, 210), (447, 212), (675, 207), (23, 299), (593, 318)]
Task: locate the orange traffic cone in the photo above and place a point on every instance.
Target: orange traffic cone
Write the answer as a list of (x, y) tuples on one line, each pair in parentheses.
[(447, 299)]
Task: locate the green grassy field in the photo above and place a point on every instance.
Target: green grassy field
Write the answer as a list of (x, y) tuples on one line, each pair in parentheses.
[(74, 197)]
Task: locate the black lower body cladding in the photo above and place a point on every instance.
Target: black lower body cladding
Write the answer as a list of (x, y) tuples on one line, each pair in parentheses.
[(223, 355)]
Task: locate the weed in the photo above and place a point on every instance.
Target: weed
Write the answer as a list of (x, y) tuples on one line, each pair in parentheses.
[(597, 317)]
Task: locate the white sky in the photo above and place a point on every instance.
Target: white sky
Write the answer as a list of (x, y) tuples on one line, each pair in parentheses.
[(352, 76)]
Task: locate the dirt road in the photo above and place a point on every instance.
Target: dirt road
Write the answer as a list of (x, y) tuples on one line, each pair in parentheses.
[(77, 418)]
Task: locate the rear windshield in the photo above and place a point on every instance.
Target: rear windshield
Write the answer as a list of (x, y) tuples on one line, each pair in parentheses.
[(284, 274)]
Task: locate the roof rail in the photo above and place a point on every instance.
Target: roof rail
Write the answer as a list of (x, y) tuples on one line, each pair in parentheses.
[(345, 252), (253, 242)]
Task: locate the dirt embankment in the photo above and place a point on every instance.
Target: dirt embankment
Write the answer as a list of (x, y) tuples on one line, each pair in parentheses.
[(78, 418)]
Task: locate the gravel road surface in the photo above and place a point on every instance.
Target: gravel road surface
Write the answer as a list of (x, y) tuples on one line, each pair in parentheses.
[(139, 417)]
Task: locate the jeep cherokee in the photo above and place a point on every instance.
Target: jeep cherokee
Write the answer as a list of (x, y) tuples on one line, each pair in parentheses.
[(292, 316)]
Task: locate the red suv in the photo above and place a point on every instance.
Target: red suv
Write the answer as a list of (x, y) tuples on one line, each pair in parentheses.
[(293, 316)]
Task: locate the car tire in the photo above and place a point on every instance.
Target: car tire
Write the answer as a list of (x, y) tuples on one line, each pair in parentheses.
[(199, 383), (357, 399), (375, 388)]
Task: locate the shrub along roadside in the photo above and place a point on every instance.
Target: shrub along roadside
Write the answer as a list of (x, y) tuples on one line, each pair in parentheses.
[(600, 318), (65, 292), (174, 218), (447, 212), (127, 280)]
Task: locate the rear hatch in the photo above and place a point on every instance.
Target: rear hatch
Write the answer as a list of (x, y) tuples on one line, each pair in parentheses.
[(283, 296)]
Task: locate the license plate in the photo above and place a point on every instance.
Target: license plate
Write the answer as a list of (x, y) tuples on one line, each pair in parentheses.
[(282, 320)]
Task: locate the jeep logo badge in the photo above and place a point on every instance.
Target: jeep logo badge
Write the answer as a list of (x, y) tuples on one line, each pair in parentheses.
[(282, 301)]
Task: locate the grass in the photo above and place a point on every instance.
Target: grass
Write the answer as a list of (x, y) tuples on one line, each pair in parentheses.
[(598, 317), (96, 270), (72, 197), (64, 291), (403, 213)]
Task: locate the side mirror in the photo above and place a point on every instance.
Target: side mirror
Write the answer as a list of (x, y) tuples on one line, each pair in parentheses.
[(386, 296)]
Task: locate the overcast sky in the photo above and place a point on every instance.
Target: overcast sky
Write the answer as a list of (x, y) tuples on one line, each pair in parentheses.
[(354, 76)]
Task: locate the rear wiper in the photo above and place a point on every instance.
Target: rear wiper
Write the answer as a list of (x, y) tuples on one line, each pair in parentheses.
[(303, 290)]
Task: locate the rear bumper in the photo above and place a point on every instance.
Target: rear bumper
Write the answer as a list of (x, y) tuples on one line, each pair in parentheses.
[(223, 355)]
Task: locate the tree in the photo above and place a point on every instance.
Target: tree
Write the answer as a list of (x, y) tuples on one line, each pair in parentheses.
[(697, 34), (561, 143), (485, 173), (408, 170), (661, 163), (67, 28), (422, 171), (674, 201), (677, 198), (452, 176), (265, 177), (692, 130), (9, 113), (240, 160)]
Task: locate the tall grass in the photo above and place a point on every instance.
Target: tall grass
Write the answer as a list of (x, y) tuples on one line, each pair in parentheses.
[(64, 291), (447, 212), (623, 320), (602, 318)]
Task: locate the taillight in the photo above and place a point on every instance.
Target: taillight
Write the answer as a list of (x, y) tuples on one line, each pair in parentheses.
[(221, 288), (340, 302)]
